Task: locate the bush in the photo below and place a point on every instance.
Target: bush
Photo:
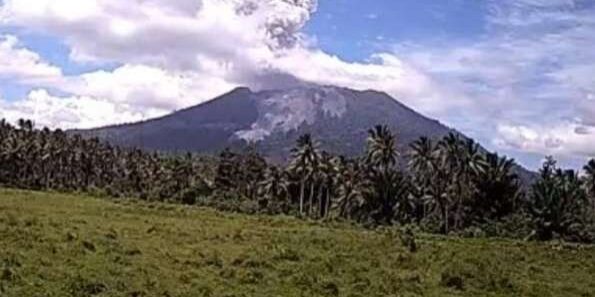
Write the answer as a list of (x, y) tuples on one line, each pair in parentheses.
[(229, 201), (479, 274), (408, 239), (516, 226)]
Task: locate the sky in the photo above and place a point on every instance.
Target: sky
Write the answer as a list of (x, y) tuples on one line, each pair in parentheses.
[(516, 75)]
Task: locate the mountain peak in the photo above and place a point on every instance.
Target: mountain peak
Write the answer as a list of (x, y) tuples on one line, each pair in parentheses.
[(273, 119)]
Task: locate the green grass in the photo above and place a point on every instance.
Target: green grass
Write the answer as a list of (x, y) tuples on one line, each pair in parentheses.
[(67, 245)]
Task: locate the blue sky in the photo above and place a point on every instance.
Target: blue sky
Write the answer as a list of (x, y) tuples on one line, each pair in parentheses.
[(518, 75), (356, 29)]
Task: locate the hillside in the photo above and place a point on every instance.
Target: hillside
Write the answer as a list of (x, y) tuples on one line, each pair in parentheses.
[(63, 245), (272, 120)]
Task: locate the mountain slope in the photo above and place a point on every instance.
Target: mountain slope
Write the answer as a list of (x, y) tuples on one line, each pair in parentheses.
[(338, 118)]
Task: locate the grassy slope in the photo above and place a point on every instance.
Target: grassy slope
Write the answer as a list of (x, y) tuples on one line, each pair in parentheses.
[(61, 245)]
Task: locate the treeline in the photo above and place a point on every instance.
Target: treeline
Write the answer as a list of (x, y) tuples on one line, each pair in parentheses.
[(450, 185), (52, 160)]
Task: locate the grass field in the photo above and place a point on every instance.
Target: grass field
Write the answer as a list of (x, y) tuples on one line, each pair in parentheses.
[(63, 245)]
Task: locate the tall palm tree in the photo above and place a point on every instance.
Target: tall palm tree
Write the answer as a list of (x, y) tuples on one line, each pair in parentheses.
[(461, 160), (381, 158), (304, 166), (423, 157), (327, 172), (381, 151), (498, 190), (427, 183)]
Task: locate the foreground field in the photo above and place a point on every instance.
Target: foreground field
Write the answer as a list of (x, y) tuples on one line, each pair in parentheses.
[(62, 245)]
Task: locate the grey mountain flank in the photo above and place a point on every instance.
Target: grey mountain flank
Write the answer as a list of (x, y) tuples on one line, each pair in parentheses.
[(272, 120)]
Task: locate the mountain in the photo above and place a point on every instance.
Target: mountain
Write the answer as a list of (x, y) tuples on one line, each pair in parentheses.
[(338, 118), (272, 120)]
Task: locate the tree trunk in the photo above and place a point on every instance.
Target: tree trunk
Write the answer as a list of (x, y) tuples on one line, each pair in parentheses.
[(445, 218), (320, 204), (446, 221), (328, 203), (302, 190), (311, 198)]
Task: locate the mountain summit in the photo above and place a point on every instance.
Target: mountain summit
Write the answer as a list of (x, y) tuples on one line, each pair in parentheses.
[(338, 118)]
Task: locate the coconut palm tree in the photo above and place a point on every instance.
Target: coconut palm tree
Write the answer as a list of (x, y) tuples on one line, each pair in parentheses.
[(498, 190), (387, 181), (461, 160), (304, 166), (556, 203), (423, 157), (227, 170), (353, 189), (381, 151), (424, 165), (328, 178), (274, 190)]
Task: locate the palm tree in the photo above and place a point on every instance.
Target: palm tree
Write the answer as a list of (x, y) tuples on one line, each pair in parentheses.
[(423, 157), (304, 166), (226, 175), (425, 168), (353, 189), (498, 190), (381, 159), (328, 167), (381, 151), (556, 202), (275, 189), (461, 160), (252, 170), (590, 184)]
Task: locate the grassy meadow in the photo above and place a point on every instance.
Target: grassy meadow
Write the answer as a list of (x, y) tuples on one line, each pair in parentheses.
[(69, 245)]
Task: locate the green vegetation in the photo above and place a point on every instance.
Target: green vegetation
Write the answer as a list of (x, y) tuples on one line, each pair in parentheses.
[(449, 185), (67, 245)]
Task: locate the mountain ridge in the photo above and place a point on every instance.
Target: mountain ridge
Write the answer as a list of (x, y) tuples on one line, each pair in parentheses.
[(241, 109)]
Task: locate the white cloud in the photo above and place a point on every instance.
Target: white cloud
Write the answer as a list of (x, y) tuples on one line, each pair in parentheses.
[(68, 112), (174, 34), (20, 64), (144, 86), (128, 93), (562, 140), (385, 72)]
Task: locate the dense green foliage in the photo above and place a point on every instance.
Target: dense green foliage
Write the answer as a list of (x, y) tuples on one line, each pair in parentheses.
[(560, 206), (44, 159), (61, 245), (449, 185)]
